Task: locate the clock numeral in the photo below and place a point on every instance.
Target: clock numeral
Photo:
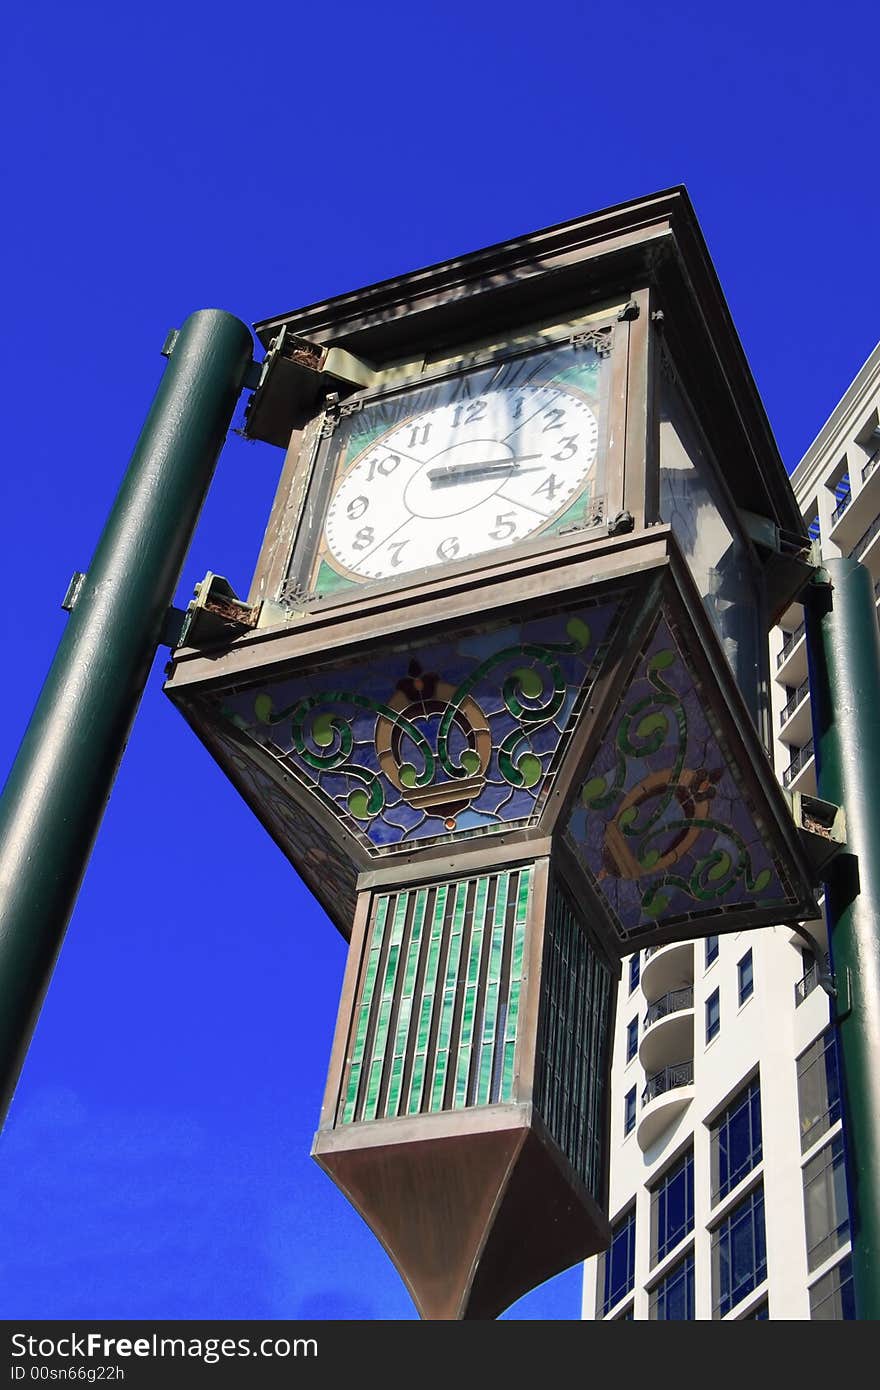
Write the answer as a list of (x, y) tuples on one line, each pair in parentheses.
[(555, 417), (504, 527), (356, 508), (363, 538), (383, 466), (550, 486), (468, 412), (419, 435), (448, 549), (396, 547), (568, 450)]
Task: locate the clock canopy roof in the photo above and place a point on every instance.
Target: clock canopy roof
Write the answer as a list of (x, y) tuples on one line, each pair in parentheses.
[(653, 242)]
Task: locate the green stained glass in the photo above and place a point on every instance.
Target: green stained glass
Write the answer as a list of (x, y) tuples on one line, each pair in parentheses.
[(363, 1016), (470, 995), (517, 956), (327, 581), (406, 1001), (426, 1009), (380, 1038), (493, 984), (447, 1005)]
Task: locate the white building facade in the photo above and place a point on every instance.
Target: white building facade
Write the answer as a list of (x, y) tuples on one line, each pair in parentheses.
[(727, 1185)]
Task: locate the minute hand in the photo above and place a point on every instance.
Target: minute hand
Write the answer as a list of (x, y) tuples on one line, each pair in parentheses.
[(465, 470)]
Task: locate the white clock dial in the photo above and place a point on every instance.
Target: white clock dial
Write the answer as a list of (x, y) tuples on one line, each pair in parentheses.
[(467, 477)]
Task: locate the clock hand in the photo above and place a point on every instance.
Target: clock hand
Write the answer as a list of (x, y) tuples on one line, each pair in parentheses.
[(465, 470)]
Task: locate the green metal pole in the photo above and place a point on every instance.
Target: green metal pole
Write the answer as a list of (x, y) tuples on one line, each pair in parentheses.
[(844, 654), (59, 784)]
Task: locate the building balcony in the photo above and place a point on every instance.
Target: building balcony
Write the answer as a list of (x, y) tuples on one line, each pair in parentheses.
[(668, 1030), (867, 548), (800, 775), (791, 660), (808, 981), (667, 1093), (667, 968), (852, 517), (795, 718)]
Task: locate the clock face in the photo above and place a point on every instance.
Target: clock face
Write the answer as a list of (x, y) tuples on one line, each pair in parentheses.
[(468, 476)]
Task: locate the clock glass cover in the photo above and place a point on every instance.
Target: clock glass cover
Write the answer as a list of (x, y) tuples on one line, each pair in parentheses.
[(468, 464)]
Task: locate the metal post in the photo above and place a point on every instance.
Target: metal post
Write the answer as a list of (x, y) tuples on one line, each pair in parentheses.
[(844, 655), (59, 784)]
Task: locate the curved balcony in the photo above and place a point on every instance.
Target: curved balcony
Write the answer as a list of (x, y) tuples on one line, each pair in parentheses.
[(667, 968), (791, 660), (668, 1030), (667, 1093), (795, 718)]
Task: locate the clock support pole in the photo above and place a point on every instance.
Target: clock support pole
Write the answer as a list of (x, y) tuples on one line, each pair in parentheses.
[(55, 796)]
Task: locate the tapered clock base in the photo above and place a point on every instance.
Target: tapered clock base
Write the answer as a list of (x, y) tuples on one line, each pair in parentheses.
[(473, 1208)]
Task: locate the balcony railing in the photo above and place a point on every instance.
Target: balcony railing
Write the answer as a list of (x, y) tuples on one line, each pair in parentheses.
[(671, 1003), (841, 506), (869, 467), (809, 980), (799, 761), (789, 642), (794, 700), (865, 540), (682, 1074)]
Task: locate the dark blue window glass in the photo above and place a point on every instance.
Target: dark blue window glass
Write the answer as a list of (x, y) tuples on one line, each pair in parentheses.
[(672, 1300), (736, 1141), (672, 1208), (759, 1314), (629, 1111), (739, 1253), (632, 1039), (711, 949), (713, 1016), (634, 970), (619, 1261), (746, 977)]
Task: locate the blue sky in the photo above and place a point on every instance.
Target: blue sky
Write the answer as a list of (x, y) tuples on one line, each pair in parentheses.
[(155, 1162)]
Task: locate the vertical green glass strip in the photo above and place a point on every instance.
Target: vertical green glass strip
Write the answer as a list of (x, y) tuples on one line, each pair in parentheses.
[(493, 986), (573, 1042), (404, 1011), (447, 1006), (380, 1037), (517, 960), (426, 1008), (363, 1015), (469, 1007)]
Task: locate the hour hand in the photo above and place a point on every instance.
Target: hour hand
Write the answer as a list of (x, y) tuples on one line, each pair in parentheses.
[(449, 471)]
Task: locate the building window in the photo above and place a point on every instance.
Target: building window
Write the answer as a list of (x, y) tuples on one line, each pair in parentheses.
[(632, 1039), (629, 1111), (634, 970), (739, 1253), (735, 1141), (759, 1314), (711, 950), (746, 977), (831, 1297), (672, 1208), (818, 1081), (672, 1300), (826, 1212), (618, 1264), (713, 1016)]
